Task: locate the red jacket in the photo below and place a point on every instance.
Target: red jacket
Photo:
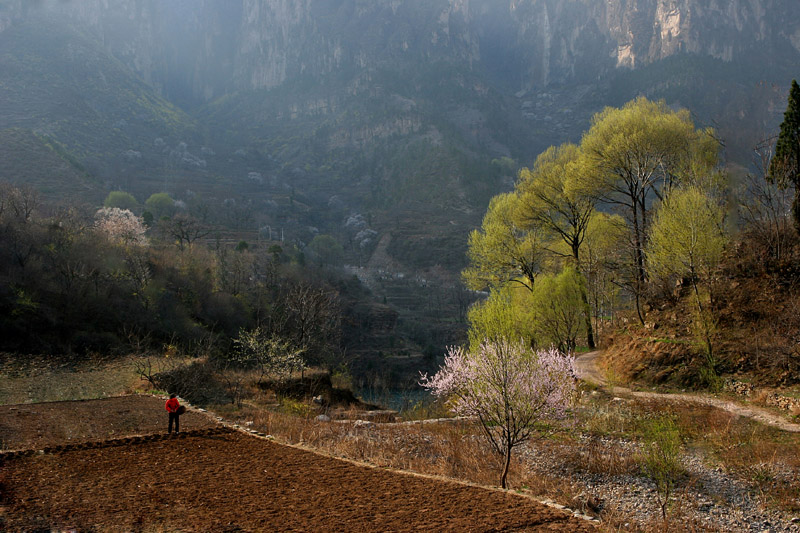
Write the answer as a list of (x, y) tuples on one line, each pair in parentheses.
[(172, 405)]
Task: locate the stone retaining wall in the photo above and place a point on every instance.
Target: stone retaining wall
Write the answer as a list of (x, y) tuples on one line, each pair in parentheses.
[(771, 398)]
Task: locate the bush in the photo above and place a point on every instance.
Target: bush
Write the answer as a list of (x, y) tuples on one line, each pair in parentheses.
[(196, 381), (661, 458)]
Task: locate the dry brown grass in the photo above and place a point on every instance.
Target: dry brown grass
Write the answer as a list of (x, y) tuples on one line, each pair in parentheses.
[(451, 449), (764, 457), (42, 381), (598, 457)]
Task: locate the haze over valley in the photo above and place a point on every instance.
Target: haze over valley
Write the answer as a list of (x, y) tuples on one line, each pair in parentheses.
[(550, 246)]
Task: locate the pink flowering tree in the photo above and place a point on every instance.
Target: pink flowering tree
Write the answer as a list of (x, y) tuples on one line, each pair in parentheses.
[(508, 388), (121, 226)]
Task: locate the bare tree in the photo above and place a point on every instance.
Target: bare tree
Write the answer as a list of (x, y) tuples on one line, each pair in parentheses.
[(765, 206), (312, 321), (184, 228), (22, 202)]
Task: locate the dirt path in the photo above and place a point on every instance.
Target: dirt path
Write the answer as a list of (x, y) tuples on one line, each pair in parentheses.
[(588, 370)]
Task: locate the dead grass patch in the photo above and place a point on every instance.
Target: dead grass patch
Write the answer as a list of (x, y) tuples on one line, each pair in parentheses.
[(597, 457), (41, 380)]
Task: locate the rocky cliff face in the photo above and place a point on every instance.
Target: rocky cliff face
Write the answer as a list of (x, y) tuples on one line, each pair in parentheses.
[(558, 41), (205, 48), (649, 30)]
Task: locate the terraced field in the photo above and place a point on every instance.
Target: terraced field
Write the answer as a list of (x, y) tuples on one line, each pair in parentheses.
[(213, 478)]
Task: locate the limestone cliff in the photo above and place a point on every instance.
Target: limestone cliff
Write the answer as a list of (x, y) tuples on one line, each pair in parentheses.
[(206, 48)]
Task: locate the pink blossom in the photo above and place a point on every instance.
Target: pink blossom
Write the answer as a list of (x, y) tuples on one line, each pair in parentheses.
[(508, 387)]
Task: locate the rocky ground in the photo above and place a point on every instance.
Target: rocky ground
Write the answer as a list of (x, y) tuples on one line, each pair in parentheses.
[(709, 499)]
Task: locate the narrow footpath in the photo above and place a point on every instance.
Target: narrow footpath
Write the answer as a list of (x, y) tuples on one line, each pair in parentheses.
[(589, 370)]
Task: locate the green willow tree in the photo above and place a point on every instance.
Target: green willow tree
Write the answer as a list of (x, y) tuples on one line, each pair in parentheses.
[(553, 196), (506, 314), (557, 308), (637, 155), (599, 254), (502, 251), (784, 168), (687, 240)]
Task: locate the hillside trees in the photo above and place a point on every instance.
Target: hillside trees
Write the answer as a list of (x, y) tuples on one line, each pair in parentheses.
[(629, 162), (505, 314), (688, 240), (502, 251), (184, 229), (600, 253), (539, 228), (557, 306), (553, 197), (637, 155), (765, 207), (19, 202), (326, 249), (121, 226), (160, 205), (784, 169), (77, 282), (121, 200), (273, 356)]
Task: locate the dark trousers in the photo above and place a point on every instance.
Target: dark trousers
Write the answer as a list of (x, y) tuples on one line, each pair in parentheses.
[(177, 419)]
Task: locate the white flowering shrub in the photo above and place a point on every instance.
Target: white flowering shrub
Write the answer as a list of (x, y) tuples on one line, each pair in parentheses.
[(121, 226)]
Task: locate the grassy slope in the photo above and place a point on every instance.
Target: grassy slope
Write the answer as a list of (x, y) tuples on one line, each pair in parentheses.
[(28, 159), (756, 308), (62, 85)]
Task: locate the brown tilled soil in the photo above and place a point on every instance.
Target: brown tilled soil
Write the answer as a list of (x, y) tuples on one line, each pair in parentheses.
[(216, 480), (40, 425)]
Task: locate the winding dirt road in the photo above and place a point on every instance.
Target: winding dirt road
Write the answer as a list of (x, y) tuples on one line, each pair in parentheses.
[(589, 370)]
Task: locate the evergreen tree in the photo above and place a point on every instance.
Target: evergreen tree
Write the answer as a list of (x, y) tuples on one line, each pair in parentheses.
[(784, 169)]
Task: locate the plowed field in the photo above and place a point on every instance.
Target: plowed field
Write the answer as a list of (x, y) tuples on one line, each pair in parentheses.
[(209, 480)]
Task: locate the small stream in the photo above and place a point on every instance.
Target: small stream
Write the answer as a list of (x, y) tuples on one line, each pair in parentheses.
[(395, 399)]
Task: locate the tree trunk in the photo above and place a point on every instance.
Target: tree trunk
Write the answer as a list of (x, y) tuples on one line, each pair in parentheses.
[(638, 304), (587, 310), (638, 245), (706, 327), (587, 313), (506, 467), (638, 259)]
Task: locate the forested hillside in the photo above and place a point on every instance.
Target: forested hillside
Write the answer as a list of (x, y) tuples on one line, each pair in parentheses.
[(639, 236), (367, 137)]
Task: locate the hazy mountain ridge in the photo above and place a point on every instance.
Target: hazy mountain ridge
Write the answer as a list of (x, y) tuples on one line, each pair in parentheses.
[(215, 46), (389, 107)]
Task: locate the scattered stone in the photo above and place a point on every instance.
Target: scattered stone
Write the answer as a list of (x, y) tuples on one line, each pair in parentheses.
[(714, 497), (319, 400), (323, 418)]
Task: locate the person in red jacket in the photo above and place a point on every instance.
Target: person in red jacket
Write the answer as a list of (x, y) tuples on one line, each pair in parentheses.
[(173, 406)]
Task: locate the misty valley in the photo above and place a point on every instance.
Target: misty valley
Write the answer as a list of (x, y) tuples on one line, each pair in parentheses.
[(462, 265)]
